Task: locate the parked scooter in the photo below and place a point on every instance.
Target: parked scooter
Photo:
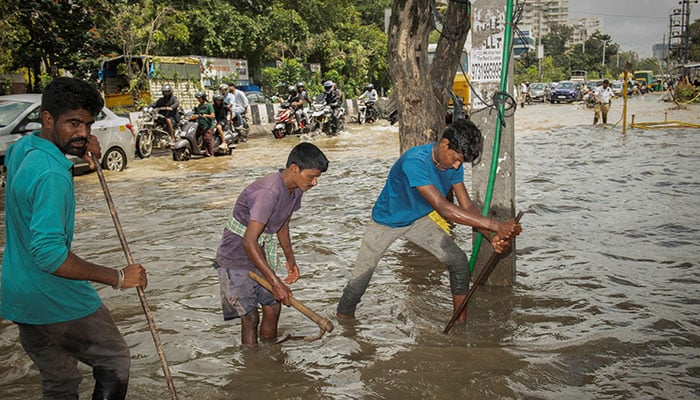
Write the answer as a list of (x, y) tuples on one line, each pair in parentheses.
[(190, 144), (153, 134), (286, 123)]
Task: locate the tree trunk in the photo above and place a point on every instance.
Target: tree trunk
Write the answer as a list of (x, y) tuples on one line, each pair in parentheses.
[(422, 104)]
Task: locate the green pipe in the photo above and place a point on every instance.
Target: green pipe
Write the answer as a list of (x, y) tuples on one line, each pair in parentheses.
[(505, 60)]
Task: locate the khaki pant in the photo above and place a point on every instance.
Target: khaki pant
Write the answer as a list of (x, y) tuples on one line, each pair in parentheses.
[(601, 109)]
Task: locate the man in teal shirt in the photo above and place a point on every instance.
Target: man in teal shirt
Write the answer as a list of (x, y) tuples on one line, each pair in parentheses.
[(45, 286)]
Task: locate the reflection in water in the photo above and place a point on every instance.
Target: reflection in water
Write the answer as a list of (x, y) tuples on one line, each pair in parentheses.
[(605, 304)]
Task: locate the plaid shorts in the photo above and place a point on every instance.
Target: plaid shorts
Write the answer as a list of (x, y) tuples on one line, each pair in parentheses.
[(239, 294)]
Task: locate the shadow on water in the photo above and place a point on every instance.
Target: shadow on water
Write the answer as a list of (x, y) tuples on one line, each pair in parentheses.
[(605, 304)]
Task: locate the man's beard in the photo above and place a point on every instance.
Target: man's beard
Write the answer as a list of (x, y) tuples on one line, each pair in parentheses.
[(68, 148)]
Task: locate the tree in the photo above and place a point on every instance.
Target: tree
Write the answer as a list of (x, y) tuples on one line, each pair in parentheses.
[(49, 35), (694, 46), (419, 87), (555, 43)]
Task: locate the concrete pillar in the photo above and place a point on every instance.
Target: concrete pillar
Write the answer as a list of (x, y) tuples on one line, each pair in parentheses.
[(485, 62)]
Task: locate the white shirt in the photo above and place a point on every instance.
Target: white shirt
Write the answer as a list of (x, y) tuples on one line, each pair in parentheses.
[(240, 101), (370, 95), (604, 94)]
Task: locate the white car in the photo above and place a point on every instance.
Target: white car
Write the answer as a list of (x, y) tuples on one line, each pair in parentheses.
[(20, 114)]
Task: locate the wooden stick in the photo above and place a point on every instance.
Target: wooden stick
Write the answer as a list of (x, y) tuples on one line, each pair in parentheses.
[(139, 289), (323, 323), (480, 279)]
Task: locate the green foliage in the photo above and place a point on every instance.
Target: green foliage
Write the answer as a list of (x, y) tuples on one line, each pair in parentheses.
[(289, 73), (5, 85), (684, 93), (345, 37), (694, 45)]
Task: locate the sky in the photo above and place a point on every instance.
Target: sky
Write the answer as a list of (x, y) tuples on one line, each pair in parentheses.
[(635, 25)]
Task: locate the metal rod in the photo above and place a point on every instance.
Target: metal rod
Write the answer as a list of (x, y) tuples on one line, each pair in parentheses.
[(490, 264)]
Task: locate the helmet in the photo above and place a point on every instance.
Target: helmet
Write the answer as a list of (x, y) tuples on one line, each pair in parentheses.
[(292, 90), (328, 85), (218, 96), (167, 90), (370, 86), (200, 95), (300, 85)]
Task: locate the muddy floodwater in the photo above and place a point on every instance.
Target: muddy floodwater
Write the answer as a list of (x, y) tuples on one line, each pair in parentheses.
[(606, 303)]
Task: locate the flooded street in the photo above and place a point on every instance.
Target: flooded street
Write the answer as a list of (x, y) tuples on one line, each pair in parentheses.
[(605, 304)]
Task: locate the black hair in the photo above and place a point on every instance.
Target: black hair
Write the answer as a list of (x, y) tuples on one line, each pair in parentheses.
[(307, 156), (65, 94), (465, 138)]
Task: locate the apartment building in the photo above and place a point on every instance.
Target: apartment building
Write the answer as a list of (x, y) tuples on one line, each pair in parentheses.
[(540, 14)]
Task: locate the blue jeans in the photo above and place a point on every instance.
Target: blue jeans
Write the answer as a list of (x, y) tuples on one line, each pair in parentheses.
[(93, 340), (424, 233)]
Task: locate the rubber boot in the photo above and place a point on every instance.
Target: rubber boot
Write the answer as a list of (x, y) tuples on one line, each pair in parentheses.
[(108, 385)]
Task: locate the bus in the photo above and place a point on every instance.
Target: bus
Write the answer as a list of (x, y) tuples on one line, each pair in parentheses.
[(579, 75), (644, 79)]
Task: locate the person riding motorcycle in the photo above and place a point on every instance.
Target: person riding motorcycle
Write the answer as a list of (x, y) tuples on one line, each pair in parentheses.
[(168, 107), (239, 108), (204, 113), (222, 114), (333, 97), (296, 103), (305, 98), (371, 96)]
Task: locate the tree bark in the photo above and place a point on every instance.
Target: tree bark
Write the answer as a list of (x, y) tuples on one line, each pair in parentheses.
[(422, 104)]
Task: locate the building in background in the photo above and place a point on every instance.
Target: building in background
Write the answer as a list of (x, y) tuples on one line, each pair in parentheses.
[(541, 14), (660, 51), (584, 28), (523, 41)]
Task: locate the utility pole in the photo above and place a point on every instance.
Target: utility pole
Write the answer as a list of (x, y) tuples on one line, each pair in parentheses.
[(539, 35), (602, 72), (686, 25)]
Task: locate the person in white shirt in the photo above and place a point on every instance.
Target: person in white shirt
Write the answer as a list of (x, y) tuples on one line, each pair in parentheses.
[(603, 95)]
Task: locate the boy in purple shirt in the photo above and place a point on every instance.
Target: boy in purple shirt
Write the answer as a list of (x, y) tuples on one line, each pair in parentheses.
[(258, 221)]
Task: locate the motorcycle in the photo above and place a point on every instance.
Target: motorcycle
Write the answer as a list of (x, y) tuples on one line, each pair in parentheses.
[(317, 114), (322, 118), (241, 130), (189, 144), (153, 133), (367, 112), (286, 123), (333, 127), (589, 100)]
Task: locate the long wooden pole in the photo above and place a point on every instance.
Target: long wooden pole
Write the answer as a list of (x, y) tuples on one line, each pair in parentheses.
[(483, 275), (139, 289)]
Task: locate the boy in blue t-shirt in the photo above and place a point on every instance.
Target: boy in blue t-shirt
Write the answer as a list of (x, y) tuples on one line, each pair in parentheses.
[(417, 184)]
